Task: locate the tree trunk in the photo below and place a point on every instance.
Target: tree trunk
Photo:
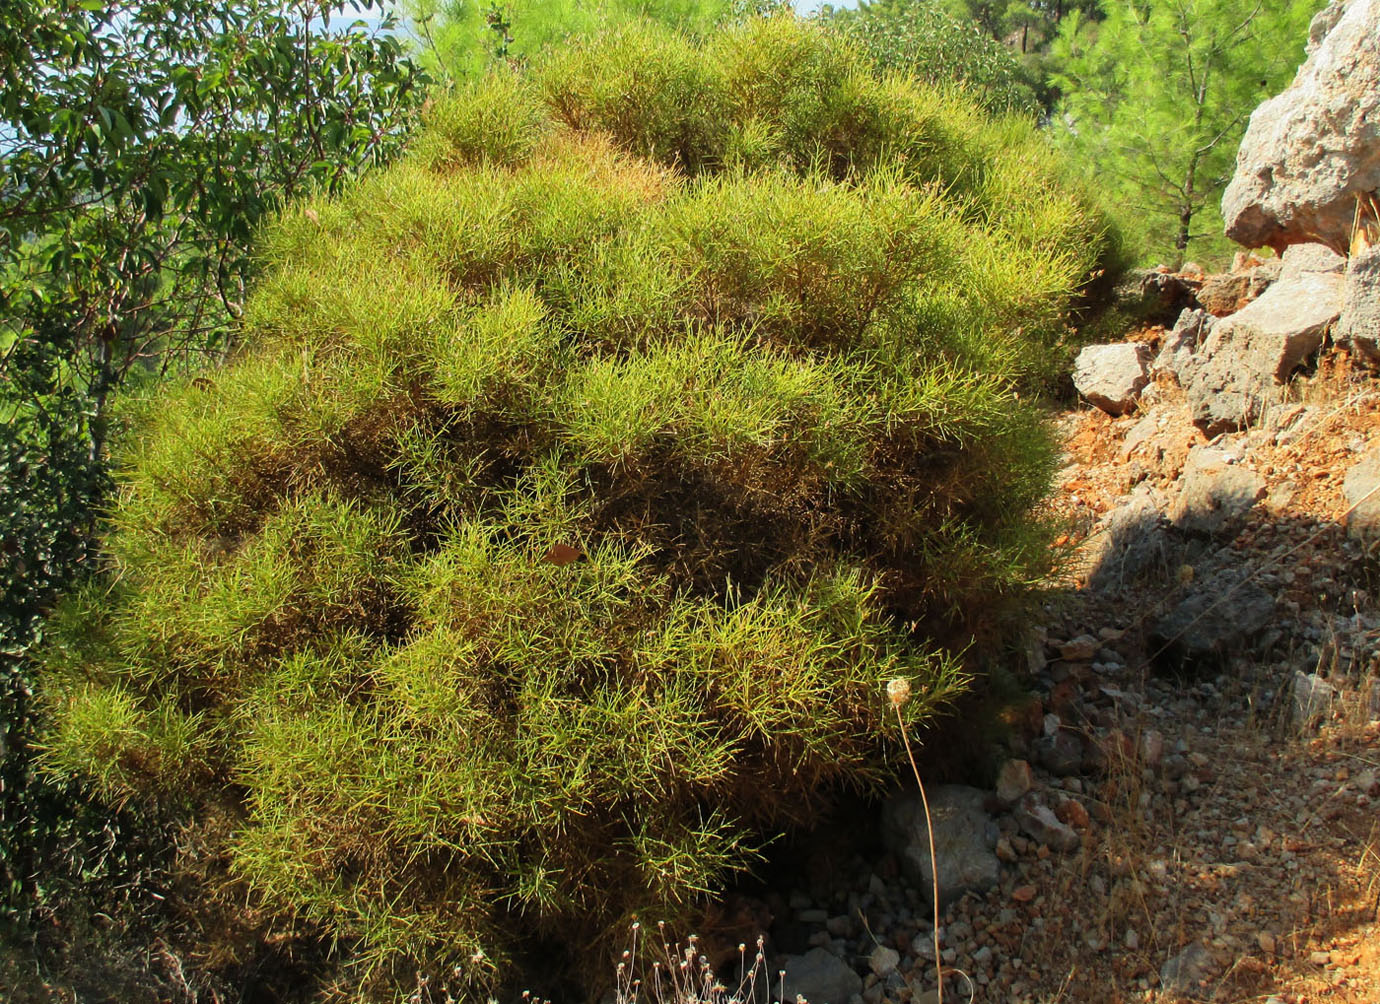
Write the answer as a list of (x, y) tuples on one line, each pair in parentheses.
[(1186, 209), (101, 385), (1181, 242)]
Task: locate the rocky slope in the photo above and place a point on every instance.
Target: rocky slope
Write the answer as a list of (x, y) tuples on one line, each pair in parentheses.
[(1190, 804)]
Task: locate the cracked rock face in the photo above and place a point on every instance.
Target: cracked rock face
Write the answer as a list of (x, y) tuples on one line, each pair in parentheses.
[(1310, 152)]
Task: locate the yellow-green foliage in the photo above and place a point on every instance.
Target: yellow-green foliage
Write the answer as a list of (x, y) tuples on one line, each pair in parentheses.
[(581, 482)]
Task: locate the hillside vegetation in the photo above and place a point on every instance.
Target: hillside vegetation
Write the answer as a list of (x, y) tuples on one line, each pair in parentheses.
[(581, 481)]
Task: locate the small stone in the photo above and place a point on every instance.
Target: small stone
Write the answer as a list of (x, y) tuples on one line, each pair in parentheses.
[(1071, 811), (1061, 755), (1013, 780), (840, 926), (1183, 973), (1005, 852), (1313, 697), (1023, 893), (1266, 941), (883, 960), (1080, 649), (1131, 940), (1320, 958), (1151, 747), (1045, 827), (1367, 783)]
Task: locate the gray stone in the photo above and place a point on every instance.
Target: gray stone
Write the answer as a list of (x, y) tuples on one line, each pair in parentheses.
[(1013, 780), (1238, 367), (1192, 327), (1111, 376), (1061, 754), (1216, 621), (965, 839), (1264, 275), (1080, 649), (1313, 697), (1184, 973), (1214, 495), (820, 977), (1133, 542), (884, 960), (1312, 150), (1299, 259), (1146, 428), (1358, 327), (1041, 824), (1362, 490)]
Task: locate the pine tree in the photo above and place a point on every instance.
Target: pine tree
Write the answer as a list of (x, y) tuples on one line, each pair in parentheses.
[(1157, 97)]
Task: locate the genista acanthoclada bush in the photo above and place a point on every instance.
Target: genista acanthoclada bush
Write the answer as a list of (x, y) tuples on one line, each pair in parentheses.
[(579, 484)]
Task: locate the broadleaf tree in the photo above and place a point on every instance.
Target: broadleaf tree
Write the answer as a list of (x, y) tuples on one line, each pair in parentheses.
[(923, 39), (141, 142), (1156, 99)]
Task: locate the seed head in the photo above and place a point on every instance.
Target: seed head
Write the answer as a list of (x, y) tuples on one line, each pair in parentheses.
[(899, 691)]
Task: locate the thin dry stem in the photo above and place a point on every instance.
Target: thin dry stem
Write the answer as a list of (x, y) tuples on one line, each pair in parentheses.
[(934, 859)]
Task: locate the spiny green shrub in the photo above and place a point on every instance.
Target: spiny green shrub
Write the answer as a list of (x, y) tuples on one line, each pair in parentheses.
[(580, 484)]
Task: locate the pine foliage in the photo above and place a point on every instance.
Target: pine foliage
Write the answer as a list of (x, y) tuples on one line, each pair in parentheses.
[(584, 479)]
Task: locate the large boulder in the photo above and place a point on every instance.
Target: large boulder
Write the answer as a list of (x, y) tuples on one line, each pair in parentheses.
[(1235, 371), (1310, 152)]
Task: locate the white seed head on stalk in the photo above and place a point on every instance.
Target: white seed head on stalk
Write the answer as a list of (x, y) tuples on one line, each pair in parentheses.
[(899, 691)]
